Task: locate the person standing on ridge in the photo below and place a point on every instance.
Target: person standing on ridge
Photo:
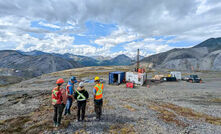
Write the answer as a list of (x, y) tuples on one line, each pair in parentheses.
[(81, 95), (98, 97), (70, 97), (57, 102)]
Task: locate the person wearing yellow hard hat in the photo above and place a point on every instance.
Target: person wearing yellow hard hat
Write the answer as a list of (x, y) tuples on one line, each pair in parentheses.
[(98, 97)]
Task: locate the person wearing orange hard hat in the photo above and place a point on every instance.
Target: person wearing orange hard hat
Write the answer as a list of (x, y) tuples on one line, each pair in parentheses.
[(98, 97), (58, 101)]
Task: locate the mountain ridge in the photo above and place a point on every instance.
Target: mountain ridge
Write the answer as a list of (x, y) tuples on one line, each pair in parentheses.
[(204, 56)]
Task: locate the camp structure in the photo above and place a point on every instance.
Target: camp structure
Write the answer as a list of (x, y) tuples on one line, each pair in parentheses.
[(135, 77), (116, 77), (178, 75)]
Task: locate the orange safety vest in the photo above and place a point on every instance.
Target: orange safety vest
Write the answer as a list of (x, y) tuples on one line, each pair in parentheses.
[(56, 97), (99, 91)]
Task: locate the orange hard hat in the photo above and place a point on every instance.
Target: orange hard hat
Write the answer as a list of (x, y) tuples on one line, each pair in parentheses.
[(60, 81)]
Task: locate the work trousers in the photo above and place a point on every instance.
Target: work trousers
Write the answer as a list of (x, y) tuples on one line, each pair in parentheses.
[(81, 109), (58, 109), (68, 106), (98, 108)]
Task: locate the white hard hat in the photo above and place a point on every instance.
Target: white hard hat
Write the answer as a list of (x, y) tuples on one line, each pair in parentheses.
[(81, 84)]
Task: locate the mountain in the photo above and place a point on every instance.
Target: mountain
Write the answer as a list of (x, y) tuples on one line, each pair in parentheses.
[(34, 65), (135, 58), (119, 60), (212, 44), (85, 60), (33, 53), (204, 56), (101, 58)]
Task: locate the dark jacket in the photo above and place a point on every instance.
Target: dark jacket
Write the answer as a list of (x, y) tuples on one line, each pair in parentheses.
[(82, 91)]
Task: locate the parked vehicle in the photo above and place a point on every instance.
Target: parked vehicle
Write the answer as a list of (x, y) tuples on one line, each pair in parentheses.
[(194, 79)]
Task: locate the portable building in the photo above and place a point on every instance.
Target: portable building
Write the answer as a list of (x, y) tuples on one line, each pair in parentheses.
[(178, 75), (135, 77), (116, 77)]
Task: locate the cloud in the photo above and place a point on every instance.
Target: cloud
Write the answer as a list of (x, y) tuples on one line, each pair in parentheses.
[(186, 20), (116, 37), (158, 17), (49, 25), (147, 46)]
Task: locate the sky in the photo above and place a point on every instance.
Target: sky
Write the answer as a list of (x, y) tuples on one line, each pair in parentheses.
[(107, 27)]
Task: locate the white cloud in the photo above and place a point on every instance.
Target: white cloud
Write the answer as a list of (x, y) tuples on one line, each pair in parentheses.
[(49, 25), (187, 20), (147, 46), (148, 17), (116, 37)]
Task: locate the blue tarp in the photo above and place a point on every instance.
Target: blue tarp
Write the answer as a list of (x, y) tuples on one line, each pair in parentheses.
[(116, 77)]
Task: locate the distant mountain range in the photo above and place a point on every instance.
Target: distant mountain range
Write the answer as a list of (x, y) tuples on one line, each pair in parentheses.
[(87, 61), (35, 63), (204, 56)]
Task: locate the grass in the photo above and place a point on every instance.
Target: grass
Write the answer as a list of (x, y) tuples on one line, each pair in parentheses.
[(93, 71), (216, 100), (34, 122), (121, 129), (82, 131), (130, 108), (170, 112), (166, 115), (191, 114), (14, 125)]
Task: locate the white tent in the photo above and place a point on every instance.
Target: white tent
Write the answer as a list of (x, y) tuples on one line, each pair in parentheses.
[(178, 75)]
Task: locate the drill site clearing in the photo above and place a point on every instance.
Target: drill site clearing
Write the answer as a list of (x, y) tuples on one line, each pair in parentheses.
[(142, 101)]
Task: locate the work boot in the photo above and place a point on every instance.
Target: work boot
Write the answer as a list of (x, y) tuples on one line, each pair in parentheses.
[(55, 124)]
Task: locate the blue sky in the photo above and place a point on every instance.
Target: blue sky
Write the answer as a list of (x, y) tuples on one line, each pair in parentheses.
[(107, 28), (95, 30)]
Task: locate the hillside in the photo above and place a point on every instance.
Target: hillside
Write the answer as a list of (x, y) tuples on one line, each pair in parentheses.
[(204, 56), (35, 65), (212, 44), (87, 61)]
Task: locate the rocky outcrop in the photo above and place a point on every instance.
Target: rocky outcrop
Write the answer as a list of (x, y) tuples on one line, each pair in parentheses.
[(205, 56)]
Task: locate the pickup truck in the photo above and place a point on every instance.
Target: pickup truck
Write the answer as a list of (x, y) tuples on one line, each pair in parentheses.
[(194, 79)]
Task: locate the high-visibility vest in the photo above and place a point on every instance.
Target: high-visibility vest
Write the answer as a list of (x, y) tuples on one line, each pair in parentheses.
[(56, 97), (80, 97), (99, 91)]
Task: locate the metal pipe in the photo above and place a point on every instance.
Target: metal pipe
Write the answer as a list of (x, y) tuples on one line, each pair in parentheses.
[(138, 60)]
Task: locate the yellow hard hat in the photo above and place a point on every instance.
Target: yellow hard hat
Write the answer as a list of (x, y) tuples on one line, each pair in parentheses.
[(96, 78)]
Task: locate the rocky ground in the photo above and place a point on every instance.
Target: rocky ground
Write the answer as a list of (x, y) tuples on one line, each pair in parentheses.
[(169, 107)]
